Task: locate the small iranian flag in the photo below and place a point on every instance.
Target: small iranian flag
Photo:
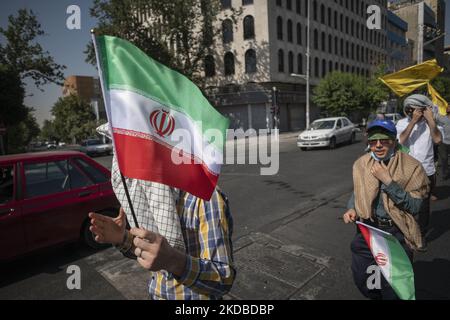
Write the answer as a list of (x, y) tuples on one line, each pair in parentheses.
[(146, 103), (392, 260)]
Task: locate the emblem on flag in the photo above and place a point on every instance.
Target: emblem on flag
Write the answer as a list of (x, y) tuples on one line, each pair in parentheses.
[(163, 122)]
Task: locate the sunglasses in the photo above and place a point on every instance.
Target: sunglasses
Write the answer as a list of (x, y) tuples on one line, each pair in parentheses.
[(384, 142)]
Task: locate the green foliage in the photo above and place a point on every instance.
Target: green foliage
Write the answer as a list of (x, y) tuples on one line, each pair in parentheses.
[(12, 110), (48, 132), (74, 119), (23, 55), (178, 33), (442, 85), (342, 94), (21, 134)]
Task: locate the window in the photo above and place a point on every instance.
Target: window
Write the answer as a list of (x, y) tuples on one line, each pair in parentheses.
[(289, 31), (229, 63), (226, 4), (298, 6), (323, 41), (330, 66), (300, 64), (279, 28), (316, 39), (279, 3), (322, 14), (210, 68), (291, 62), (247, 2), (46, 178), (315, 10), (299, 34), (324, 68), (92, 172), (77, 179), (316, 67), (280, 60), (249, 27), (250, 61), (289, 4), (6, 184), (227, 31), (330, 44)]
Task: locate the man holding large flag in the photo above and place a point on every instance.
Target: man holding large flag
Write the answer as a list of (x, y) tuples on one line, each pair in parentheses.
[(167, 187), (389, 188)]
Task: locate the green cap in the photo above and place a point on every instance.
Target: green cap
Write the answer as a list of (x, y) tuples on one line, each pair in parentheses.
[(378, 133)]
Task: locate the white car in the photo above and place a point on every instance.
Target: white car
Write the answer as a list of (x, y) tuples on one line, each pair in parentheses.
[(328, 133)]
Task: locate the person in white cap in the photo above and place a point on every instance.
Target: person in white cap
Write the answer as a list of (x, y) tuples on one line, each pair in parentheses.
[(419, 133)]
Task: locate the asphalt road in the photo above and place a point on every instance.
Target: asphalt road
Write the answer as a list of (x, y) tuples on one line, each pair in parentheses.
[(289, 239)]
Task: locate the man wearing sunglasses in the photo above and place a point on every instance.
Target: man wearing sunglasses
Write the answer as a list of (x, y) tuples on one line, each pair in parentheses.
[(419, 133), (389, 188)]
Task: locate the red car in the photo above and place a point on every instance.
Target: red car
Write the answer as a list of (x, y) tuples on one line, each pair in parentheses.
[(45, 199)]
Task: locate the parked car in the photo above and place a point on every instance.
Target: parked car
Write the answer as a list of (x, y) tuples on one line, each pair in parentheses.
[(328, 132), (394, 117), (45, 199), (95, 147)]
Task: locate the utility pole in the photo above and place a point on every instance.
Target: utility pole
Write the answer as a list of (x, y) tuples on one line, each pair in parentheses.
[(307, 77)]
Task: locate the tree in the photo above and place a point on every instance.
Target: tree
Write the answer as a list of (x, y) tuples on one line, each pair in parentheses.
[(177, 33), (23, 55), (48, 132), (74, 119), (12, 110), (442, 85), (340, 94), (21, 134)]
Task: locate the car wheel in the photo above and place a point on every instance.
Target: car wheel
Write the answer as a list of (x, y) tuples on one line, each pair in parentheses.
[(304, 149), (89, 238), (333, 143)]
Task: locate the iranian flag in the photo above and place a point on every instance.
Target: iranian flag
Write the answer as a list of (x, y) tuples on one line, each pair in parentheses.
[(392, 260), (147, 105)]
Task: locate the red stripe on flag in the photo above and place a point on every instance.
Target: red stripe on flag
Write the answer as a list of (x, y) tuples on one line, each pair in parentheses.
[(366, 234), (149, 160)]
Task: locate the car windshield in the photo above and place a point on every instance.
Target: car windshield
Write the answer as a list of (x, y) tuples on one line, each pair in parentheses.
[(320, 125), (391, 118), (94, 142)]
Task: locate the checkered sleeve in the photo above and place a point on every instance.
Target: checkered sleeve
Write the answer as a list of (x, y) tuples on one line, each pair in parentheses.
[(212, 273)]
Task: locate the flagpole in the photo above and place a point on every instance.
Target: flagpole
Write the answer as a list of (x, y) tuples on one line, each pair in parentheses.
[(100, 73)]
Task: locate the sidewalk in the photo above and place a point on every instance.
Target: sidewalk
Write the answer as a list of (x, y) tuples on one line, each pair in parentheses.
[(307, 256)]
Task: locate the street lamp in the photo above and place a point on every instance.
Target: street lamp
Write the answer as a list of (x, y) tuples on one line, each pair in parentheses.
[(308, 61)]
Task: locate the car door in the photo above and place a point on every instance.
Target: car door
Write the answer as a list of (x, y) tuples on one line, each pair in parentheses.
[(339, 131), (50, 204), (12, 236), (348, 129)]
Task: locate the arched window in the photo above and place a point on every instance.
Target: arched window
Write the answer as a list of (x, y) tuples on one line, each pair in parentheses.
[(210, 67), (322, 14), (227, 31), (289, 4), (330, 18), (289, 31), (315, 10), (300, 64), (250, 61), (229, 63), (330, 66), (226, 4), (316, 39), (316, 67), (323, 41), (280, 60), (291, 62), (249, 27), (330, 44), (279, 28), (299, 34), (324, 68)]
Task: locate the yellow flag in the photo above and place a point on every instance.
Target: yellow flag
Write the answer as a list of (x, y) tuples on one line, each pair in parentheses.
[(407, 80), (438, 100)]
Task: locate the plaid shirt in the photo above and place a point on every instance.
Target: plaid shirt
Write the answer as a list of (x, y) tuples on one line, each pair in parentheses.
[(209, 273)]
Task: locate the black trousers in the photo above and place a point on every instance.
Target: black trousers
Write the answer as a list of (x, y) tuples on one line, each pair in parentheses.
[(362, 259)]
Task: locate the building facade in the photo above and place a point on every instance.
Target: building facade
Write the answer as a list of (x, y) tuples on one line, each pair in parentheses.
[(257, 55), (399, 49), (426, 21), (88, 89)]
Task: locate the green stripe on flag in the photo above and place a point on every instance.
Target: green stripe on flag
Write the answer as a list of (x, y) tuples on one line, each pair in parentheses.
[(126, 67), (402, 274)]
